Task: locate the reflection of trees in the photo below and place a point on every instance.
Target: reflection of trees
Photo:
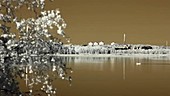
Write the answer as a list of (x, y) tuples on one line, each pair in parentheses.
[(41, 70), (8, 85), (96, 60)]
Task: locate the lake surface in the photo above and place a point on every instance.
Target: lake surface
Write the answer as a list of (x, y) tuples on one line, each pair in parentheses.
[(87, 76), (127, 76)]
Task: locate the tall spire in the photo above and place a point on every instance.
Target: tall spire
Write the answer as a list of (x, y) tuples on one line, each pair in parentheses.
[(124, 38), (166, 43)]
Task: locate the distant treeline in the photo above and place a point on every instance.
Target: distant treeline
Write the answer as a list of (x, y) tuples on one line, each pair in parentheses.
[(115, 49)]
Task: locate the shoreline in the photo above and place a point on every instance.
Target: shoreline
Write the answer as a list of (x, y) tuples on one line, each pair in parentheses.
[(113, 55)]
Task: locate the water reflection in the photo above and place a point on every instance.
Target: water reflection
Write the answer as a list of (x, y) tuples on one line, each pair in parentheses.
[(123, 64), (92, 75), (102, 61), (119, 76), (35, 71)]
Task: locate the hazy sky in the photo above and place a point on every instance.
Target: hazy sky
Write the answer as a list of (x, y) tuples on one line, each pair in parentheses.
[(143, 21)]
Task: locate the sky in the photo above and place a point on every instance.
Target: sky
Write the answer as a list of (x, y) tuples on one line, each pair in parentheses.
[(143, 21)]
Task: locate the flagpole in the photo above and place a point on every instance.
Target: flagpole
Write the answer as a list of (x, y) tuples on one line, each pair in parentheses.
[(124, 38)]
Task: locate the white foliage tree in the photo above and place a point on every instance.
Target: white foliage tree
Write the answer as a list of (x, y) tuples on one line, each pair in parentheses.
[(38, 28), (35, 38), (33, 31)]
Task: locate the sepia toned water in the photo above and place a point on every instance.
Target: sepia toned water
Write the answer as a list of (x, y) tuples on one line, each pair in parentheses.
[(118, 76), (91, 76)]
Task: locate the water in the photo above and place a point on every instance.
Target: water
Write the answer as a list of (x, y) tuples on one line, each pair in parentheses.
[(118, 77), (92, 76), (32, 76)]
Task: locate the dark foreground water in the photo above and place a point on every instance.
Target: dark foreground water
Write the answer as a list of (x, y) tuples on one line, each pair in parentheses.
[(92, 76)]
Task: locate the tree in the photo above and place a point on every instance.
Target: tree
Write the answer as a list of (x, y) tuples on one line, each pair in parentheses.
[(33, 31), (35, 39)]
